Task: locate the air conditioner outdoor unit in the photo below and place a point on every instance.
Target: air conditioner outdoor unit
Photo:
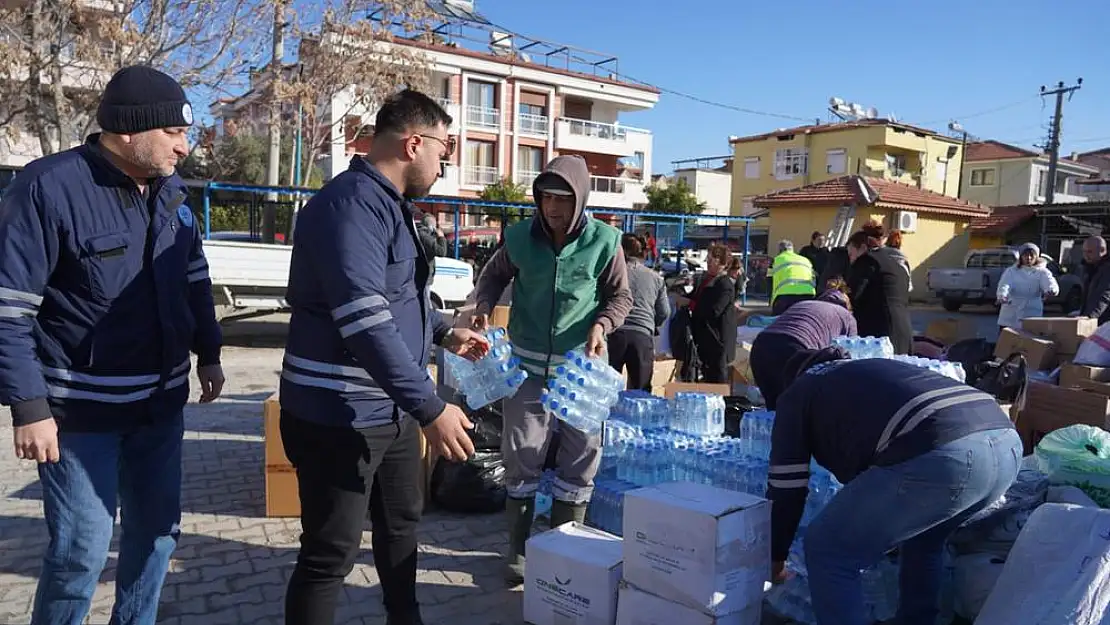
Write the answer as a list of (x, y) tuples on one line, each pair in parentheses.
[(906, 221)]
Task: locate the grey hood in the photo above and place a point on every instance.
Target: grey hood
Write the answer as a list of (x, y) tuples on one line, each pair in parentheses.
[(572, 170)]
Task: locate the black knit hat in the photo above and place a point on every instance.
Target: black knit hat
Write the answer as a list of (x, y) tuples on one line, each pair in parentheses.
[(141, 98)]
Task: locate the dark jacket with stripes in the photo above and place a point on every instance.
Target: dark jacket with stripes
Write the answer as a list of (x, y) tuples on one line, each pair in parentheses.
[(362, 327), (104, 290), (850, 415)]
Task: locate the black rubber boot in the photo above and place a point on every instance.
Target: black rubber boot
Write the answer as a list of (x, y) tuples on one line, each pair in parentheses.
[(563, 512), (518, 513)]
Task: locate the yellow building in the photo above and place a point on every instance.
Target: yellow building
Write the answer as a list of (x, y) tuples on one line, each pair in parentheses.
[(934, 226), (796, 157)]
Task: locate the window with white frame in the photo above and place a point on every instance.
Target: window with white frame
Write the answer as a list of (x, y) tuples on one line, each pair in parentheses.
[(751, 167), (791, 162), (836, 161), (982, 177)]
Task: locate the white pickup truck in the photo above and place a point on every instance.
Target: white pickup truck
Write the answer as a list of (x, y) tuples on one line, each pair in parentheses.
[(250, 277)]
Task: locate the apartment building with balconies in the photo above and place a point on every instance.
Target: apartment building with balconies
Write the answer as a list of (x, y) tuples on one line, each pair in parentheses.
[(795, 157), (83, 62), (515, 103)]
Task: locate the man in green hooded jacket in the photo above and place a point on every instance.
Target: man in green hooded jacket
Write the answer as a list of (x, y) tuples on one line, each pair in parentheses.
[(570, 290)]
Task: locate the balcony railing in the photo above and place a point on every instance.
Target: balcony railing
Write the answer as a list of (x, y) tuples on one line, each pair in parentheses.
[(482, 117), (597, 130), (526, 177), (535, 125), (480, 175), (606, 184)]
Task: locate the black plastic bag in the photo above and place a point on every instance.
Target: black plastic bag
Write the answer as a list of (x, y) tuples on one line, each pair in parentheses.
[(735, 407), (476, 486), (971, 353), (488, 422), (1006, 379)]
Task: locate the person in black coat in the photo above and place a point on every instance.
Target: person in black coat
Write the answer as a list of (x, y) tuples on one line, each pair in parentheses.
[(713, 318), (836, 265), (880, 290)]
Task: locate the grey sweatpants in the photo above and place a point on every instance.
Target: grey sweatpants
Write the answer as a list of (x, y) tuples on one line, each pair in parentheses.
[(525, 439)]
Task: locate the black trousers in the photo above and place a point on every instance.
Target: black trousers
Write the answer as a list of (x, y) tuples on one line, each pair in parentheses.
[(782, 302), (342, 474), (770, 353), (635, 350)]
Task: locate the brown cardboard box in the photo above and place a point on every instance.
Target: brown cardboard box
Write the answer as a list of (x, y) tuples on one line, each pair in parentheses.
[(1049, 407), (271, 429), (1067, 332), (1094, 379), (498, 318), (1039, 352), (282, 499), (950, 330), (691, 387)]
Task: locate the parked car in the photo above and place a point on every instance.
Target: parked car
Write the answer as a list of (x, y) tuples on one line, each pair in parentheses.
[(976, 283)]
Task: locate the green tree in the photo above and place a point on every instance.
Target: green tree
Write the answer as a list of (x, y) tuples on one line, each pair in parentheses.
[(242, 158), (676, 197), (505, 190)]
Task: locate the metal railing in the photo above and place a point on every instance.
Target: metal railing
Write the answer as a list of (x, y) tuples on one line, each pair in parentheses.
[(482, 117), (607, 184), (526, 177), (596, 130), (535, 125), (480, 175)]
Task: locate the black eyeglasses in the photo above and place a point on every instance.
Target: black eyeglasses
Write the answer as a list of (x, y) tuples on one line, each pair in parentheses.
[(450, 143)]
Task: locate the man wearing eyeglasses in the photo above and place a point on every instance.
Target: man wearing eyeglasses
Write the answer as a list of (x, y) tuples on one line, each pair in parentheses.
[(570, 291), (354, 382)]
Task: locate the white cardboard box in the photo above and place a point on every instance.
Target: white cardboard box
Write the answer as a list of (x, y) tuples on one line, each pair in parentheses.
[(637, 607), (705, 547), (572, 577)]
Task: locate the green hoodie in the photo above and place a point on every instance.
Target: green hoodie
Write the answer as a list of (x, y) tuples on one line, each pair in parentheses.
[(558, 294)]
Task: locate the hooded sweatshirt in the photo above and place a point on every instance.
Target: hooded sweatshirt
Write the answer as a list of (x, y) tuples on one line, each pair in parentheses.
[(559, 293)]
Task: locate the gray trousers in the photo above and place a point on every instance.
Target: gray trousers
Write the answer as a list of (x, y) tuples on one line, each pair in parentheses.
[(525, 439)]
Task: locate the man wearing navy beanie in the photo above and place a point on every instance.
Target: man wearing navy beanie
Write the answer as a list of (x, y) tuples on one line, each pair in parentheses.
[(104, 292)]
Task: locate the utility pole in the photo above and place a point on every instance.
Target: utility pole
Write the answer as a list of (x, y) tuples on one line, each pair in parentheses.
[(1054, 136), (955, 126), (273, 165)]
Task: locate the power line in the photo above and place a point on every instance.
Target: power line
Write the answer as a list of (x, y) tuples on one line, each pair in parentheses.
[(675, 92), (982, 113)]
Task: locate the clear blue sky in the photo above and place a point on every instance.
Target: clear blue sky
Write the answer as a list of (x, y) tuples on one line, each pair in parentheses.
[(927, 62)]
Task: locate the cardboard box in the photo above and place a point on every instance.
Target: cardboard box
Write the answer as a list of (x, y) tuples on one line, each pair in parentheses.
[(499, 317), (704, 547), (271, 431), (951, 330), (1096, 379), (691, 387), (1049, 407), (572, 577), (282, 497), (636, 607), (1067, 332), (1040, 353)]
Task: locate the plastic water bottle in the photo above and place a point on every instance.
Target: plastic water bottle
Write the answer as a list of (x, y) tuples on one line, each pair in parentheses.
[(952, 370), (495, 376), (582, 392), (701, 414), (861, 347)]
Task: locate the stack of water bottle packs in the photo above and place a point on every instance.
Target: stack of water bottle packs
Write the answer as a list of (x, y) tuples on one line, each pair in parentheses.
[(863, 347), (495, 376), (582, 392)]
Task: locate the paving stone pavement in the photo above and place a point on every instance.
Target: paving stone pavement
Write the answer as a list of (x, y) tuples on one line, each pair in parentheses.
[(232, 563)]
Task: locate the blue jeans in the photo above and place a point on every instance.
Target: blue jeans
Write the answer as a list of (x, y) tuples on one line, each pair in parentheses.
[(914, 506), (140, 467)]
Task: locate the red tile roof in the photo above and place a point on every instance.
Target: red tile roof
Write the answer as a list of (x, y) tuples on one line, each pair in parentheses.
[(816, 128), (1001, 220), (995, 150), (883, 194)]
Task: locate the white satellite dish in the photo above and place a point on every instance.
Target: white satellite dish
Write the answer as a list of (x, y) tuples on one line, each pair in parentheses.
[(872, 113)]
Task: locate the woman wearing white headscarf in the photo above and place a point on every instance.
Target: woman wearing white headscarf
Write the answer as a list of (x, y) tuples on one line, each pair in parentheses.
[(1023, 288)]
